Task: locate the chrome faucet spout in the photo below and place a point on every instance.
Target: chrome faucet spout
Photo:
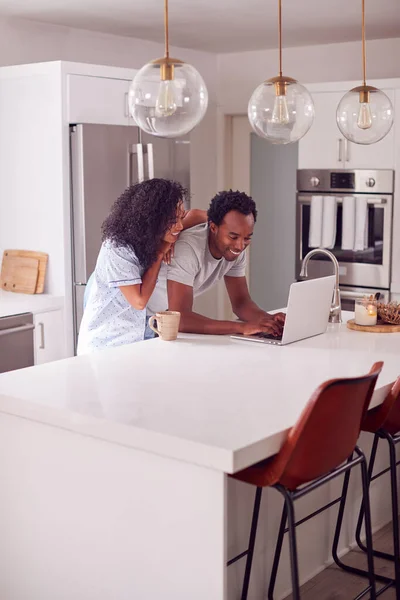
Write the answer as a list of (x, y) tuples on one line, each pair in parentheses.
[(304, 270), (335, 313)]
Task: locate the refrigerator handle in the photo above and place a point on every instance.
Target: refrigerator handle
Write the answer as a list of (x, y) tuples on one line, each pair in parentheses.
[(78, 224), (136, 149), (150, 161), (140, 162)]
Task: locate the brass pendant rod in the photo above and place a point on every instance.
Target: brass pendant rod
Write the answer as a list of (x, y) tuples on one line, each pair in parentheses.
[(166, 28), (280, 35), (364, 57)]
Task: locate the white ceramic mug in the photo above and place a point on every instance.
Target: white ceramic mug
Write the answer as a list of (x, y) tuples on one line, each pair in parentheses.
[(167, 324)]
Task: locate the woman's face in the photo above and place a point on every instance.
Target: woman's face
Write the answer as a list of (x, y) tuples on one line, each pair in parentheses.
[(171, 235)]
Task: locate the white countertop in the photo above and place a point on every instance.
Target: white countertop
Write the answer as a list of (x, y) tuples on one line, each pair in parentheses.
[(209, 400), (14, 304)]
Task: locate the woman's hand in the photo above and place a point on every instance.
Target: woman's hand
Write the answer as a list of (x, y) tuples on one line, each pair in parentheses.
[(166, 252), (169, 255), (193, 217)]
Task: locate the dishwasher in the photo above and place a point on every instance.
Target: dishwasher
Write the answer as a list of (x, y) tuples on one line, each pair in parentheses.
[(16, 342)]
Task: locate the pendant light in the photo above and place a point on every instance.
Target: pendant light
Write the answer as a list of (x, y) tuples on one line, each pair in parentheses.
[(365, 114), (167, 97), (281, 110)]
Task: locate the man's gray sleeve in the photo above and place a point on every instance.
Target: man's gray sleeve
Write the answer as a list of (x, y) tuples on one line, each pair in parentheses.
[(185, 264)]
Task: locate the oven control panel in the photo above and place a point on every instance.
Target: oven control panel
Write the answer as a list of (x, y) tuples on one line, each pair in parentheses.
[(358, 181), (342, 181)]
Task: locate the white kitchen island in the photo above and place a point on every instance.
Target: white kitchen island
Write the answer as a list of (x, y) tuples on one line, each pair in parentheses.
[(113, 466)]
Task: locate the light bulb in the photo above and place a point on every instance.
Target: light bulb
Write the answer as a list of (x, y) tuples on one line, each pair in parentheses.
[(364, 119), (166, 102), (280, 112)]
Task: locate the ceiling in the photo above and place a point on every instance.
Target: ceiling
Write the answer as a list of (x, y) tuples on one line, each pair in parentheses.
[(219, 25)]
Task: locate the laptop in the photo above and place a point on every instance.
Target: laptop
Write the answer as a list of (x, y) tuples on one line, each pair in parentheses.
[(307, 312)]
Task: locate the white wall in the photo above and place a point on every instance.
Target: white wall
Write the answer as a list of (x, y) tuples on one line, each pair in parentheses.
[(23, 41), (239, 74)]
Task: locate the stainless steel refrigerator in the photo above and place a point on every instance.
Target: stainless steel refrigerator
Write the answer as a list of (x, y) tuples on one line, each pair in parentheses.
[(105, 160)]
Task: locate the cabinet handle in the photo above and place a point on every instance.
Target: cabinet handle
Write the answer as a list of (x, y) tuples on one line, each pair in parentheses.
[(41, 327), (340, 150)]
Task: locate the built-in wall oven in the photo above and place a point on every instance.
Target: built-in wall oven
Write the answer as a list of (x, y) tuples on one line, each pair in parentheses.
[(361, 271)]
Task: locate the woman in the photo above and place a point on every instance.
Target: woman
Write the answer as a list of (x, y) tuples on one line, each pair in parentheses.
[(138, 238)]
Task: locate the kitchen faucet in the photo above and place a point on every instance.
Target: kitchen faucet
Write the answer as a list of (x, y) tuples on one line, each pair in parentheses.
[(335, 315)]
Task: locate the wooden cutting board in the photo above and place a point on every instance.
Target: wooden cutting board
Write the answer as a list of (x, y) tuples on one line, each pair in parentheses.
[(42, 257), (380, 327), (19, 274)]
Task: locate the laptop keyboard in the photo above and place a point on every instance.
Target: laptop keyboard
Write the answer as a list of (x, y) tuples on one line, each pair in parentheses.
[(268, 336)]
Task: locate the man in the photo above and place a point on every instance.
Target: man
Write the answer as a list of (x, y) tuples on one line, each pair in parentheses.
[(207, 253)]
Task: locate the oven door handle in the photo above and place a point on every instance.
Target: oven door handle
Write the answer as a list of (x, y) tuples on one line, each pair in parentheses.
[(345, 294), (339, 200)]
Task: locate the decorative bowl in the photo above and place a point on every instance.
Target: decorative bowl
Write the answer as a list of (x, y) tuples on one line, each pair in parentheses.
[(389, 312)]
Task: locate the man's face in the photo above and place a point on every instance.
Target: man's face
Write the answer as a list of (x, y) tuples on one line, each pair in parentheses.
[(233, 236)]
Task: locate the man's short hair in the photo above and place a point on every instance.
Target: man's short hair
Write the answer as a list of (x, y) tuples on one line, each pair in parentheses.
[(224, 202)]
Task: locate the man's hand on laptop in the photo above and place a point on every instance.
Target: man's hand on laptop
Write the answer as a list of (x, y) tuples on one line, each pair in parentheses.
[(279, 318), (264, 325)]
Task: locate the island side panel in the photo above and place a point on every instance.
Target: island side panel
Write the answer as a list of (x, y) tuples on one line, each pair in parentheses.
[(85, 519)]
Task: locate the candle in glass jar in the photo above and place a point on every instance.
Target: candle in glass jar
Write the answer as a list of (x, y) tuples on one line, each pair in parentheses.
[(365, 312)]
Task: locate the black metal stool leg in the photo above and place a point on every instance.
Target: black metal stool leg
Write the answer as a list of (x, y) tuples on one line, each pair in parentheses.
[(370, 573), (277, 555), (252, 541), (371, 464), (395, 508), (294, 567), (340, 518), (395, 511), (368, 525), (369, 548)]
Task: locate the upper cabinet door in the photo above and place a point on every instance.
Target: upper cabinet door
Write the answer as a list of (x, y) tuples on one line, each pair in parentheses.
[(375, 156), (323, 146), (98, 100)]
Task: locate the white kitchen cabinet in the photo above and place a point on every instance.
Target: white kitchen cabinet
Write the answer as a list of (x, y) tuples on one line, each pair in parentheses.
[(49, 336), (375, 156), (324, 147), (98, 100)]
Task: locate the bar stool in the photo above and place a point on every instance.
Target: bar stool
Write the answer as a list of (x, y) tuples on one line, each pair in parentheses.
[(384, 422), (313, 454)]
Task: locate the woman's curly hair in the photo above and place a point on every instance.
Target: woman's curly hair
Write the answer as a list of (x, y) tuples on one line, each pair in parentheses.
[(142, 215)]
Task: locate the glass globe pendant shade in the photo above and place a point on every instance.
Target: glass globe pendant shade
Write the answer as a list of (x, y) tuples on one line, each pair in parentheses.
[(364, 115), (281, 110), (167, 98)]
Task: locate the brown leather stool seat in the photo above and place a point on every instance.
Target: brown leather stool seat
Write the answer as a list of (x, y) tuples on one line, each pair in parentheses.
[(320, 447)]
